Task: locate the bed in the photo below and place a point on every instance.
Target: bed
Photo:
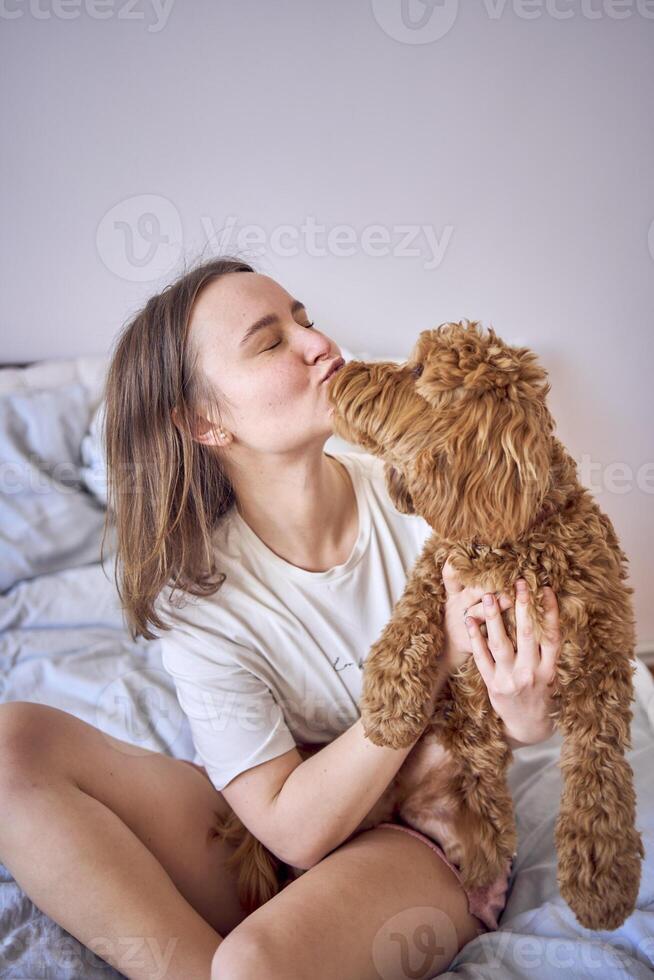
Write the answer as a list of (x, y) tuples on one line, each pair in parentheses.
[(63, 642)]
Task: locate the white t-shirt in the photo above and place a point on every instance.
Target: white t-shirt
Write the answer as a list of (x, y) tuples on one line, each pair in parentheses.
[(275, 656)]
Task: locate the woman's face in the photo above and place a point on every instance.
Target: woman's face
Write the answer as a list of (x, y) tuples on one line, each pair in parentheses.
[(268, 380)]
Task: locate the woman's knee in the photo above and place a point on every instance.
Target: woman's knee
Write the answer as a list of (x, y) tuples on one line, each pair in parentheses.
[(26, 732), (242, 954)]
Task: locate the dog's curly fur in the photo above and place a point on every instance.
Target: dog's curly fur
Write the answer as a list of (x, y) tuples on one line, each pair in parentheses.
[(468, 442)]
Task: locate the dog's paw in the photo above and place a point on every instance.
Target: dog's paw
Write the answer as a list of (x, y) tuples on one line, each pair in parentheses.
[(603, 906), (600, 880)]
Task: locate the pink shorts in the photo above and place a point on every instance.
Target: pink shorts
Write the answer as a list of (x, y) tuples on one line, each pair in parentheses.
[(485, 903)]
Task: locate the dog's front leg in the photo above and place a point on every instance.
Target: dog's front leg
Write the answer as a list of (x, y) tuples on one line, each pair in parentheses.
[(403, 671)]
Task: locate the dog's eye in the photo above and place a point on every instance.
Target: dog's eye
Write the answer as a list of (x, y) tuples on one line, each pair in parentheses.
[(417, 370)]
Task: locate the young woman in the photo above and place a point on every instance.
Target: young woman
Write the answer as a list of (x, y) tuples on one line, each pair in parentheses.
[(268, 568)]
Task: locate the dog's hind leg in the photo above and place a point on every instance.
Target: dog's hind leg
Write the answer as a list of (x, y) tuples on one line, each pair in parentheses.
[(453, 786), (599, 848)]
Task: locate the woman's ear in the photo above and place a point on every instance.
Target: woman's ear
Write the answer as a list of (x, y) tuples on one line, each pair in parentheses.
[(196, 426), (397, 490)]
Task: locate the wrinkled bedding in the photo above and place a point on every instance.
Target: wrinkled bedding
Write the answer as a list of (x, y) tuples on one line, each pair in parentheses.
[(63, 642)]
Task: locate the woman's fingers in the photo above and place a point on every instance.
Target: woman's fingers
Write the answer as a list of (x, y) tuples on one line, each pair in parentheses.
[(478, 612), (477, 609), (550, 644), (528, 655), (498, 648), (483, 659), (499, 643)]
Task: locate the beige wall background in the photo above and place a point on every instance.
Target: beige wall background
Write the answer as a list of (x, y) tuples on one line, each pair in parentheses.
[(393, 163)]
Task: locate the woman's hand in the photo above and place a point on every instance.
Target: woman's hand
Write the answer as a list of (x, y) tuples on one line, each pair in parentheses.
[(458, 646), (519, 683)]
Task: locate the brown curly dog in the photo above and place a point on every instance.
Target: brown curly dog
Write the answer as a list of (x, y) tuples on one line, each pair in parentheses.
[(469, 445)]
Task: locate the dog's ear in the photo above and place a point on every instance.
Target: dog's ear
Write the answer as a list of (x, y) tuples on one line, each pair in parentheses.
[(496, 473), (397, 490), (491, 437)]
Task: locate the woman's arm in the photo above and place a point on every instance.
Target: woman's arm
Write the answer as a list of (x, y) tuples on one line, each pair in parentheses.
[(326, 797), (332, 791)]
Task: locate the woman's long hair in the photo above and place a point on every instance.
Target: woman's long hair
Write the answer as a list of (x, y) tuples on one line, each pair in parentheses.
[(166, 491)]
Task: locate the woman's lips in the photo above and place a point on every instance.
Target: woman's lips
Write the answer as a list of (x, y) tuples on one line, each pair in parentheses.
[(335, 366)]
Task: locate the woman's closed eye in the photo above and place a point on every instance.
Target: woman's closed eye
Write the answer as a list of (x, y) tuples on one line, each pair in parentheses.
[(279, 341)]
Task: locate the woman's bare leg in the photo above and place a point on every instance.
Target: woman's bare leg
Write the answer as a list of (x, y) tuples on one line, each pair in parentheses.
[(382, 906), (82, 865)]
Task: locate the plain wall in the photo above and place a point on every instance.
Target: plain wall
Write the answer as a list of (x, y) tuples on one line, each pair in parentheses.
[(491, 160)]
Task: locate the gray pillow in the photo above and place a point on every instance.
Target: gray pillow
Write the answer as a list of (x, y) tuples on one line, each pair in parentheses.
[(48, 519)]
